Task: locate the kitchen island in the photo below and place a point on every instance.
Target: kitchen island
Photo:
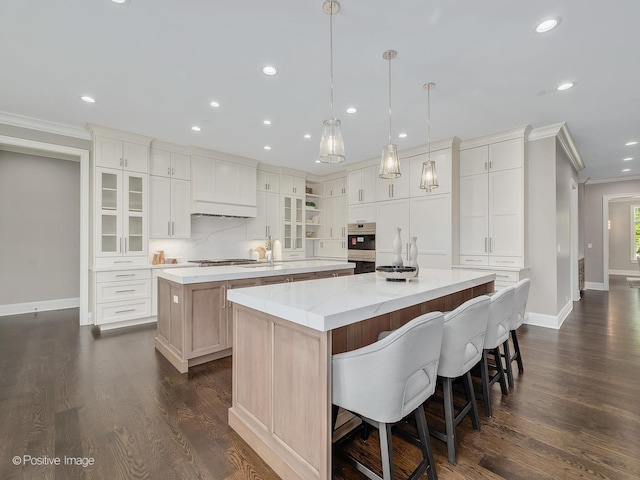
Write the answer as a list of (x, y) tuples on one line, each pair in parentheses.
[(283, 339), (194, 315)]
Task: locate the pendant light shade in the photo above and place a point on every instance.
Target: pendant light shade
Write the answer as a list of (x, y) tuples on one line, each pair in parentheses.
[(429, 177), (389, 163), (331, 143)]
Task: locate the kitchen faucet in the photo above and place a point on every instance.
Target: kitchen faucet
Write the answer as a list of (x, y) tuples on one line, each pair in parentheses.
[(270, 249)]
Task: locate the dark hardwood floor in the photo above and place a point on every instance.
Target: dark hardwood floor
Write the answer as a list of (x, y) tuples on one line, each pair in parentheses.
[(66, 391)]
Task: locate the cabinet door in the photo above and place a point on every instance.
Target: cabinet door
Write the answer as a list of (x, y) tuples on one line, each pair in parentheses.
[(226, 180), (442, 158), (207, 333), (180, 208), (247, 185), (506, 155), (159, 163), (389, 189), (369, 177), (136, 157), (389, 216), (134, 213), (431, 224), (474, 215), (474, 161), (273, 215), (181, 166), (160, 207), (268, 181), (506, 222), (203, 176), (339, 186), (339, 217), (327, 218), (108, 214), (362, 213), (108, 153)]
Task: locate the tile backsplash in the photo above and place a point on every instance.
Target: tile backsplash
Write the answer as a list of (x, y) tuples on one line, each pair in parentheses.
[(211, 238)]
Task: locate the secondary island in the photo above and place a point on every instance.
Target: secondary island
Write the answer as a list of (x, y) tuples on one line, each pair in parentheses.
[(283, 338)]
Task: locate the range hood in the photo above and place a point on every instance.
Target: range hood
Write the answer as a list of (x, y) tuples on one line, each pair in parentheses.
[(218, 209)]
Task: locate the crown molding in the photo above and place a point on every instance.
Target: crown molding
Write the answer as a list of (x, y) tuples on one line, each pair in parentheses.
[(205, 152), (169, 147), (593, 181), (118, 134), (517, 132), (561, 132), (43, 125)]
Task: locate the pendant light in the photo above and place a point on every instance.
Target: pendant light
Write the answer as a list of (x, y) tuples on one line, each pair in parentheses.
[(429, 177), (331, 143), (389, 164)]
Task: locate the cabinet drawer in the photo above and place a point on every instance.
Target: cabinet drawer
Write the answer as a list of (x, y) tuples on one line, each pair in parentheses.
[(505, 261), (121, 275), (473, 260), (506, 277), (121, 311), (129, 290), (106, 262)]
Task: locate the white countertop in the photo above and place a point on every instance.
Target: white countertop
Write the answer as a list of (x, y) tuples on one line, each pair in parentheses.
[(490, 268), (143, 267), (325, 304), (214, 274)]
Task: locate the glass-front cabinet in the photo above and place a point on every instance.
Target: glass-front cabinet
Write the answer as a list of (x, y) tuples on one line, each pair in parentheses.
[(292, 223), (121, 209)]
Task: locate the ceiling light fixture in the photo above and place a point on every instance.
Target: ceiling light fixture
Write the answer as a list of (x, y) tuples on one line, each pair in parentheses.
[(627, 159), (267, 122), (269, 70), (120, 2), (389, 163), (87, 99), (331, 143), (214, 104), (267, 147), (307, 136), (402, 135), (548, 25), (196, 128), (429, 177), (565, 86), (352, 110), (628, 144), (626, 170)]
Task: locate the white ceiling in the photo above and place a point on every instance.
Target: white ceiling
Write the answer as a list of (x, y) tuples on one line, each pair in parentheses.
[(154, 66)]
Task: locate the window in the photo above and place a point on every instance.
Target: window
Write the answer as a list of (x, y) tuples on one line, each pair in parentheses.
[(635, 230)]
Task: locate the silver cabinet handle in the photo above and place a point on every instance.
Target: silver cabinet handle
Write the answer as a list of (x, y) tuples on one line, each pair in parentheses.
[(173, 171), (331, 232), (173, 228), (168, 228), (489, 244), (126, 311), (126, 247), (392, 193), (125, 291), (224, 297), (121, 251), (126, 274), (121, 162), (126, 162), (168, 170), (389, 192), (485, 244), (485, 166), (123, 261)]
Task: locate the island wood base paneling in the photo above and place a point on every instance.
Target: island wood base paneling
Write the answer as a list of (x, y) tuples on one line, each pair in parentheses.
[(281, 398)]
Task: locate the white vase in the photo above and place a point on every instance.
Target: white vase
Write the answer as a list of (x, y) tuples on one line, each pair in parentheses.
[(397, 250), (413, 254)]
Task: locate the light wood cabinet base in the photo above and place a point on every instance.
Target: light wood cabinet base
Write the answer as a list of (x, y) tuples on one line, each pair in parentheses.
[(183, 365)]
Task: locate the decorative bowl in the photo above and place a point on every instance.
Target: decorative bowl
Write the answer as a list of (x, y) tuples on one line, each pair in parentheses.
[(395, 273)]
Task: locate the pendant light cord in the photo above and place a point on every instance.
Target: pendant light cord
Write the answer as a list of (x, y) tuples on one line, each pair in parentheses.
[(429, 122), (331, 59), (390, 99)]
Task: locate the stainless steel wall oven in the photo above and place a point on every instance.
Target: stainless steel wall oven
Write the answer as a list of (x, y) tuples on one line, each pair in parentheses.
[(361, 246)]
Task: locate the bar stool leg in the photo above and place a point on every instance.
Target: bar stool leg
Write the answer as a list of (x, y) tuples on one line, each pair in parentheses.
[(484, 374), (387, 450), (516, 349), (507, 360), (471, 396), (425, 444), (449, 414)]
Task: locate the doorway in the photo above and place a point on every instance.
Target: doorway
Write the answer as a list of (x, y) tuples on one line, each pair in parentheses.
[(34, 147), (606, 199)]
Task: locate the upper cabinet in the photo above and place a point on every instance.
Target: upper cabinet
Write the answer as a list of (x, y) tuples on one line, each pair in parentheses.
[(334, 188), (170, 164), (120, 154), (268, 181), (220, 187), (444, 171), (396, 188), (292, 185), (492, 204), (362, 185)]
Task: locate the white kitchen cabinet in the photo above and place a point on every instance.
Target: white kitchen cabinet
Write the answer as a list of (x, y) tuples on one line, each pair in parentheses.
[(362, 185), (163, 163), (395, 188), (334, 188), (335, 218), (444, 171), (170, 210), (120, 216), (222, 187), (268, 181), (122, 295), (292, 185), (293, 226), (119, 154), (267, 221), (492, 204), (331, 249), (431, 222), (390, 215), (362, 213)]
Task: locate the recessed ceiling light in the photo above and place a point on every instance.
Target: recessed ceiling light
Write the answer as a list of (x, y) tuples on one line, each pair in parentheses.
[(548, 24), (214, 104), (565, 86), (269, 70), (306, 135), (626, 170), (352, 110), (402, 135), (627, 159), (120, 2), (196, 128), (88, 99), (628, 144), (267, 147), (267, 122), (317, 161)]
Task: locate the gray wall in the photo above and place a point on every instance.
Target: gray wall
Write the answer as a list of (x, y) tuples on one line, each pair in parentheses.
[(593, 194), (620, 236), (39, 228), (541, 211), (564, 173)]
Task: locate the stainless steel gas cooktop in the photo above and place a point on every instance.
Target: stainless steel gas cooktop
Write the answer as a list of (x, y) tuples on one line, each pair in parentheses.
[(223, 262)]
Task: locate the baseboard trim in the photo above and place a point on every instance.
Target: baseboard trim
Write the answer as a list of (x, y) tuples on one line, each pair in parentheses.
[(41, 306), (105, 327), (549, 321), (593, 286), (626, 273)]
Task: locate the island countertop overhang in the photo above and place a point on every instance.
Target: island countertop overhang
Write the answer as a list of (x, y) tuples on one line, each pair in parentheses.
[(327, 304)]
